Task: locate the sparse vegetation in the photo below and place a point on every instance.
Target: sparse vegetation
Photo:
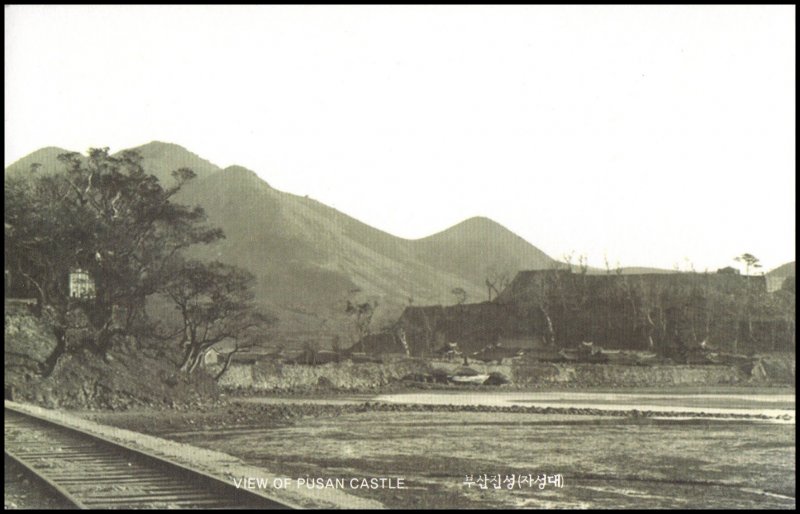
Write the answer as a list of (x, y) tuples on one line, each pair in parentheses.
[(460, 294), (496, 281), (750, 261), (361, 314)]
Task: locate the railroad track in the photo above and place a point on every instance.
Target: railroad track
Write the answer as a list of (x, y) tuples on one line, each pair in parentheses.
[(92, 472)]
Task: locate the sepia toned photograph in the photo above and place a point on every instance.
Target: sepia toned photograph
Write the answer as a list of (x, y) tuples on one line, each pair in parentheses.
[(400, 257)]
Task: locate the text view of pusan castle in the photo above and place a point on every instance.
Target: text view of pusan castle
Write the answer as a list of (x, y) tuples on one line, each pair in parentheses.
[(181, 335)]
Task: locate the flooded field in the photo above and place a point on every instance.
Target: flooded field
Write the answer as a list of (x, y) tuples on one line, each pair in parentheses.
[(624, 462)]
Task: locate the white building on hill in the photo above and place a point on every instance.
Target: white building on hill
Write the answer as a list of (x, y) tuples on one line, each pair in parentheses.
[(81, 284)]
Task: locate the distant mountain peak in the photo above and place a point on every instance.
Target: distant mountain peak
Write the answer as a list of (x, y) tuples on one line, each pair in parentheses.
[(162, 145), (236, 172), (478, 221), (235, 168), (476, 226), (49, 150), (162, 158), (47, 157), (160, 148)]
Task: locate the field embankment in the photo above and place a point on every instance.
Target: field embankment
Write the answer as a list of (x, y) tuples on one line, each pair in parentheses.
[(344, 375), (128, 376), (349, 376)]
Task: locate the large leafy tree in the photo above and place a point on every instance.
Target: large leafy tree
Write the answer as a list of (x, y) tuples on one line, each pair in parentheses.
[(106, 215), (215, 306)]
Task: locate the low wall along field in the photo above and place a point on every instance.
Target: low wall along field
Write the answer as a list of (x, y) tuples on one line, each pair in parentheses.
[(273, 376), (625, 376), (334, 375)]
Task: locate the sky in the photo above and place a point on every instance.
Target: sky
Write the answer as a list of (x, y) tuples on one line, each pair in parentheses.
[(649, 136)]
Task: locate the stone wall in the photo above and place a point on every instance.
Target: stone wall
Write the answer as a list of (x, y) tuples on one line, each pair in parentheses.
[(338, 375), (368, 376), (624, 376)]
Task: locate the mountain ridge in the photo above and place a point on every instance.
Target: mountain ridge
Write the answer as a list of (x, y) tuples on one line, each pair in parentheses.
[(46, 156), (309, 258)]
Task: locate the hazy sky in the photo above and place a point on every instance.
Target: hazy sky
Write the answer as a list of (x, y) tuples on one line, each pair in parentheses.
[(649, 134)]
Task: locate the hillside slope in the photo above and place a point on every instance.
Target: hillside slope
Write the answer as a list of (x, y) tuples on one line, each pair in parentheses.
[(46, 157), (783, 271), (309, 259), (158, 159), (479, 246), (161, 159)]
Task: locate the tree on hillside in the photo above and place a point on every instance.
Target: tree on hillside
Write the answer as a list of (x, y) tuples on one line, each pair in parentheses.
[(107, 216), (214, 302), (361, 314), (496, 280), (583, 264), (752, 299), (568, 259), (460, 294), (749, 260)]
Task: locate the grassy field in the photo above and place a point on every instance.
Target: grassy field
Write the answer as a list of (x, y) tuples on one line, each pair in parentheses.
[(606, 462)]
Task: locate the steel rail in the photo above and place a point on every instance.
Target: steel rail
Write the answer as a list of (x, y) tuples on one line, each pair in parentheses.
[(92, 471)]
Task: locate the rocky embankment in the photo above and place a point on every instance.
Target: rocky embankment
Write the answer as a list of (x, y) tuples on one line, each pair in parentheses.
[(28, 343), (125, 378)]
